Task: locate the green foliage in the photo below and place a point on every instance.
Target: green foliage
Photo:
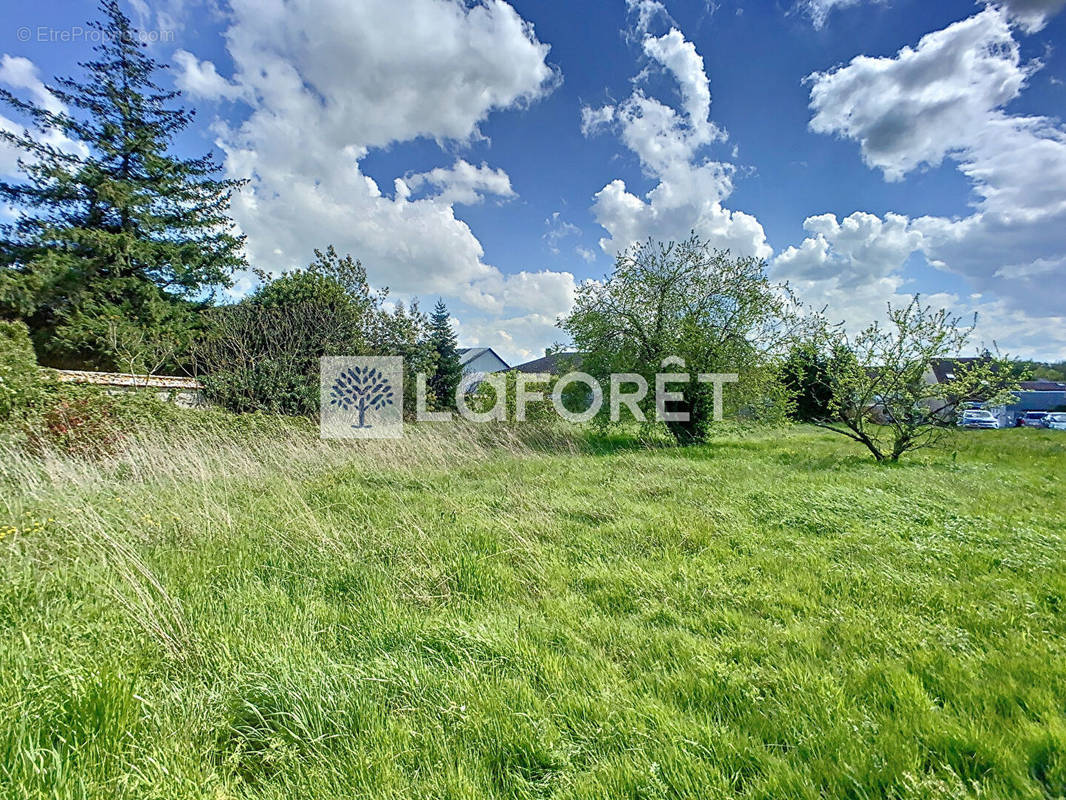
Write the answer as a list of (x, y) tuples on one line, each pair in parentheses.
[(685, 301), (89, 422), (882, 394), (45, 414), (485, 398), (258, 613), (447, 372), (1039, 371), (805, 375), (82, 424), (262, 354), (20, 378), (116, 238)]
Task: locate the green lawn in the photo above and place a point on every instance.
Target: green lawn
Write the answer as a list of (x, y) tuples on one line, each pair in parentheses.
[(772, 615)]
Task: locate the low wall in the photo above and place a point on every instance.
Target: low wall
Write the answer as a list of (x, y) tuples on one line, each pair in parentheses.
[(183, 392)]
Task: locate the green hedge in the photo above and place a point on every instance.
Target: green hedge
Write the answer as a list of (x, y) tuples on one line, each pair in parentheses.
[(20, 378)]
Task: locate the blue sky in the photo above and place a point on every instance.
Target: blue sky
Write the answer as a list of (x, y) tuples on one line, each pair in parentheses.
[(867, 150)]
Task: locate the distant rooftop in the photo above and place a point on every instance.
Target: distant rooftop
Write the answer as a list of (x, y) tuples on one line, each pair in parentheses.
[(945, 368), (468, 354), (552, 364), (1042, 386)]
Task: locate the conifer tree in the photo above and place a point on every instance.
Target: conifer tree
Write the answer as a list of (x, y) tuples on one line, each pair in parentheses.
[(449, 372), (118, 240)]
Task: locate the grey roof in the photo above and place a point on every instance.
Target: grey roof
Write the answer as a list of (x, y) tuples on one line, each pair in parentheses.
[(1042, 386), (552, 364), (468, 354), (945, 369)]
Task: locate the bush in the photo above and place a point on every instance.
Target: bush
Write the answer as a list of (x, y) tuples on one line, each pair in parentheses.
[(85, 426), (266, 359), (806, 380), (262, 354), (87, 421), (484, 398), (20, 377)]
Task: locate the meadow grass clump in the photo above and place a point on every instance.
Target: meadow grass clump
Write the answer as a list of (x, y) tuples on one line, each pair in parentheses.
[(232, 607)]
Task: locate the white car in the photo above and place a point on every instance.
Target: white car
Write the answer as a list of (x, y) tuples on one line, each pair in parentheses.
[(1056, 421), (978, 418)]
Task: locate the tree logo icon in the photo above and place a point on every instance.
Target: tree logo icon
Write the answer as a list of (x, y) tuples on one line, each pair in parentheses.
[(361, 397), (361, 389)]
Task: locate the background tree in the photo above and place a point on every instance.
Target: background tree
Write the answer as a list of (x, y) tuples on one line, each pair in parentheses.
[(112, 226), (262, 354), (448, 371), (717, 313), (1025, 370), (20, 378), (881, 393), (805, 375)]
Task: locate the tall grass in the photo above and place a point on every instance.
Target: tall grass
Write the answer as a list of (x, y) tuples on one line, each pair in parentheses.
[(238, 609)]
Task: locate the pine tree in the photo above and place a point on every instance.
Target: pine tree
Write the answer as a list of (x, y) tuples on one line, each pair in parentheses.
[(118, 241), (449, 371)]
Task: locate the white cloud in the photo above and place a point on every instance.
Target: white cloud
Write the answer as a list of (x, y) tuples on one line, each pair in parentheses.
[(1032, 15), (854, 251), (21, 73), (521, 322), (819, 10), (201, 79), (326, 82), (945, 98), (1029, 15), (646, 11), (593, 120), (691, 190), (516, 339), (558, 229), (585, 253), (463, 182), (926, 102)]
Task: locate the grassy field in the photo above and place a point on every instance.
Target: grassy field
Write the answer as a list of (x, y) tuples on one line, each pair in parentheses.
[(460, 615)]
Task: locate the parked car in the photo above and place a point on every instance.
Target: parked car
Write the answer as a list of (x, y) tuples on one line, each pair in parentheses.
[(1032, 419), (978, 418), (1056, 421)]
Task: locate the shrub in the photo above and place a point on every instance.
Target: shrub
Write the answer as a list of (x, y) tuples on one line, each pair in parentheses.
[(805, 375), (88, 422), (484, 398), (83, 424), (262, 354), (20, 378)]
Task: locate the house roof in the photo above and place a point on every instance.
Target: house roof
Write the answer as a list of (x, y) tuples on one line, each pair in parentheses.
[(468, 354), (945, 369), (552, 364), (1042, 386)]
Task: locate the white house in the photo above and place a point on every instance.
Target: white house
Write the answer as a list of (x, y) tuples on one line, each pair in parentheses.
[(477, 362)]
